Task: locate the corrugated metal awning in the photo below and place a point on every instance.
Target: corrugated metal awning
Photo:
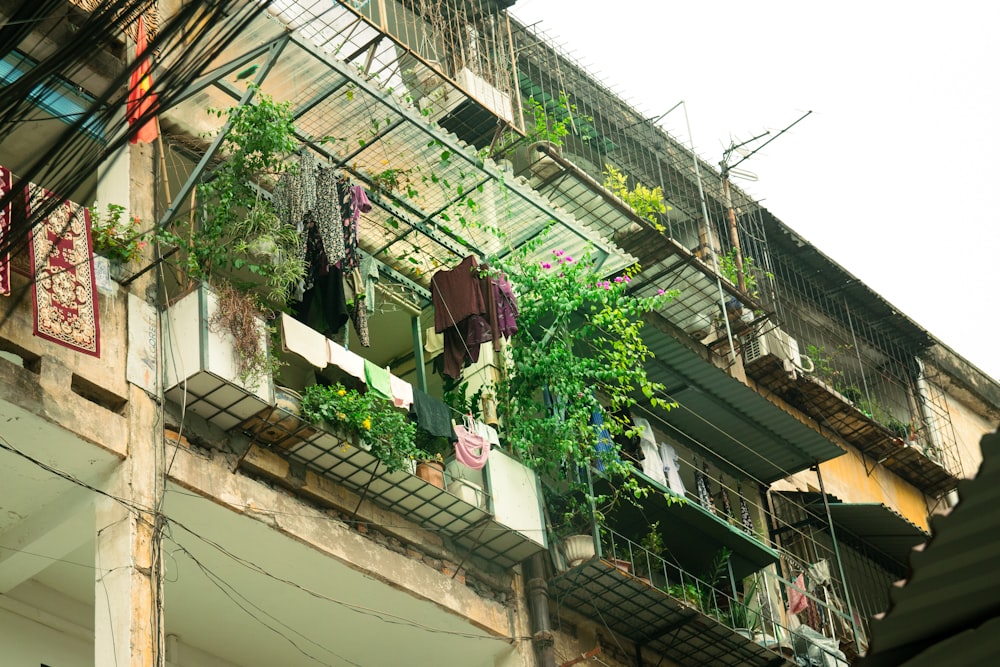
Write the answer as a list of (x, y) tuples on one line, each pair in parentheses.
[(720, 414), (949, 609)]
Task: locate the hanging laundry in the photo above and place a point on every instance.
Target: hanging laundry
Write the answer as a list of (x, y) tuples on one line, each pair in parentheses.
[(359, 202), (348, 225), (327, 214), (727, 507), (506, 307), (797, 600), (402, 392), (431, 415), (746, 520), (369, 275), (377, 379), (652, 463), (704, 492), (672, 469), (459, 310), (471, 449), (355, 295)]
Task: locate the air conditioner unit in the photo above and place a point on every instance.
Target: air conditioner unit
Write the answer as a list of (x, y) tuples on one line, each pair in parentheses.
[(776, 343)]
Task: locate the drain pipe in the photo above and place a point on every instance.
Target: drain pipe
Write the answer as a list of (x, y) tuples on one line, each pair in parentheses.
[(923, 398), (538, 606)]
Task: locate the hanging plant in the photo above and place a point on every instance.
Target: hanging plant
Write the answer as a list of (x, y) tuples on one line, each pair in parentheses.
[(232, 219), (579, 350)]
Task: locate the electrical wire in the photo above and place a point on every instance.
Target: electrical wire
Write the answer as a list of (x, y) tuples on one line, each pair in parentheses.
[(381, 615)]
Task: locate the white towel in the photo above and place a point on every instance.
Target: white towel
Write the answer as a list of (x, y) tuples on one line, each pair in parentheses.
[(652, 464), (299, 339), (402, 392), (347, 361)]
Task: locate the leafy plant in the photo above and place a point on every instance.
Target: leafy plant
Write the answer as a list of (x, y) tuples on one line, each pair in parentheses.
[(115, 237), (230, 214), (648, 203), (239, 314), (727, 266), (741, 612), (579, 343), (374, 419), (822, 362)]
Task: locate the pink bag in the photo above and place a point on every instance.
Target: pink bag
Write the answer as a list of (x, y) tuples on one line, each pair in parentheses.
[(472, 449)]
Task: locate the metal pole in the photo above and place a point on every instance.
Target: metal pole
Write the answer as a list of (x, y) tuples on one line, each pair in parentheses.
[(708, 231), (734, 235), (418, 353), (840, 563)]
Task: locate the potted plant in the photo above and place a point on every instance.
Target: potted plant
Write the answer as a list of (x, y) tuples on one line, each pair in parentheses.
[(235, 242), (373, 421), (654, 547), (745, 619)]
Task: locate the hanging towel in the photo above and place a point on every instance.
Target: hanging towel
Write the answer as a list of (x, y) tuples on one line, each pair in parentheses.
[(433, 343), (672, 469), (431, 415), (652, 463), (303, 341), (471, 449), (402, 392), (378, 380), (369, 274), (797, 600), (346, 360)]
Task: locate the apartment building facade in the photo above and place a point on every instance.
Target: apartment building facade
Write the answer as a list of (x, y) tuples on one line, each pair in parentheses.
[(158, 508)]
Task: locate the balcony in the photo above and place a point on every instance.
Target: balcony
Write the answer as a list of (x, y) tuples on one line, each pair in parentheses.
[(922, 467), (664, 608), (497, 517)]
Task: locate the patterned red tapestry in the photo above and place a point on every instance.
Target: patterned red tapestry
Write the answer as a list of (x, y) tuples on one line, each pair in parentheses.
[(6, 182), (64, 288)]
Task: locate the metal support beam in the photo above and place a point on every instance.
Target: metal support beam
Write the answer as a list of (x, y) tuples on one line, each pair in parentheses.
[(840, 562), (274, 50), (222, 71)]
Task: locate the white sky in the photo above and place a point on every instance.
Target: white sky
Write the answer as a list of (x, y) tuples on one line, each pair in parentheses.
[(894, 176)]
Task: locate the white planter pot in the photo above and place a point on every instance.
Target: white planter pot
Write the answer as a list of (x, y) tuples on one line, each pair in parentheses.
[(578, 548), (201, 366)]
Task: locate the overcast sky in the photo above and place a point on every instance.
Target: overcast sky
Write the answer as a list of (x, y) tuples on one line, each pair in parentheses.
[(894, 175)]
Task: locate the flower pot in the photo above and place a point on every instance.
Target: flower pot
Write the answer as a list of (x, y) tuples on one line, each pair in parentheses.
[(578, 548), (623, 565), (431, 472)]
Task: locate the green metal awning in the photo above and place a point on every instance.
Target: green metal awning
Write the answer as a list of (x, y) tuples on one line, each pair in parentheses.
[(721, 415), (882, 527), (692, 534)]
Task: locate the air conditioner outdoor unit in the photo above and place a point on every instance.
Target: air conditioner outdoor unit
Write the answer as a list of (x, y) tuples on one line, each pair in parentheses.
[(777, 343)]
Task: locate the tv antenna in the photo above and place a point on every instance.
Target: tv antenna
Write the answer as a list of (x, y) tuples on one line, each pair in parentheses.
[(728, 170)]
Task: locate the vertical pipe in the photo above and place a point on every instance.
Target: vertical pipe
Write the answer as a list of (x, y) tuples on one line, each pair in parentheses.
[(734, 235), (538, 606), (840, 564), (418, 353)]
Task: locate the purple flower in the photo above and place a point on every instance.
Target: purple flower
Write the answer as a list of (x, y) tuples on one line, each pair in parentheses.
[(660, 292), (546, 265), (618, 279), (558, 253), (627, 279), (568, 259)]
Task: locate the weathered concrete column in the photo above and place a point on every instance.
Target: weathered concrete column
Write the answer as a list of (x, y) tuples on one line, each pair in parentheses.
[(126, 630)]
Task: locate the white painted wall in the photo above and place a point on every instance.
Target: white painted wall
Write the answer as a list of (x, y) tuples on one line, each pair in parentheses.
[(33, 641)]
